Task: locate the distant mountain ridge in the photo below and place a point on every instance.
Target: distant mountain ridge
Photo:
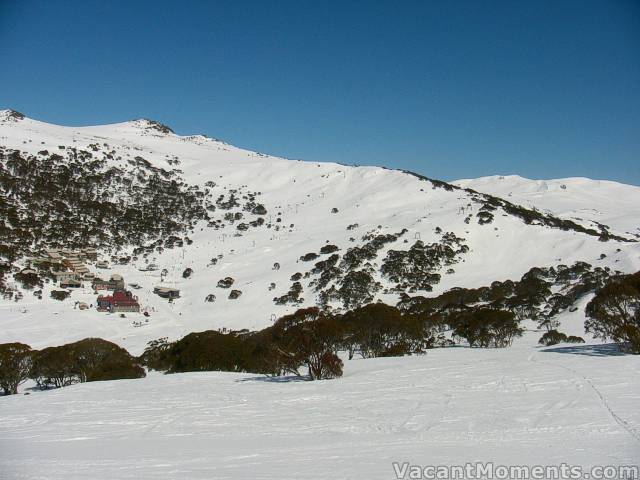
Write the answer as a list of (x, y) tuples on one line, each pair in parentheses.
[(578, 198)]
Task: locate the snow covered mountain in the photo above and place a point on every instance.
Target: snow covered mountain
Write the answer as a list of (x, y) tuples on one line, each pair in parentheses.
[(287, 233), (580, 199), (248, 237)]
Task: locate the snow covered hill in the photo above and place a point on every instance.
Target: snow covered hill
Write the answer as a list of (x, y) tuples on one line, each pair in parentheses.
[(263, 221), (581, 199), (248, 237)]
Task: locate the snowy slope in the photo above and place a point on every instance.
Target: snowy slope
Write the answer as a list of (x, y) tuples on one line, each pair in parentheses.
[(304, 194), (517, 406), (582, 199)]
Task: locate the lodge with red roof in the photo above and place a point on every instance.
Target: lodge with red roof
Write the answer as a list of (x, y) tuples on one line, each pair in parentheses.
[(120, 301)]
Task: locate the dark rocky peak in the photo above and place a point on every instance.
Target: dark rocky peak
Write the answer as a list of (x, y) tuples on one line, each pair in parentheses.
[(11, 116)]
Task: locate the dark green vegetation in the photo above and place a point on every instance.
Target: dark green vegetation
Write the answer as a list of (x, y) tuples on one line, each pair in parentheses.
[(60, 294), (106, 198), (531, 297), (15, 365), (310, 338), (88, 360), (486, 317), (487, 327), (415, 269), (553, 337), (614, 313), (350, 278), (77, 200)]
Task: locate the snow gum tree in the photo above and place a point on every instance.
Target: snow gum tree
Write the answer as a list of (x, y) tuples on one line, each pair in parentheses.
[(614, 313), (312, 338), (486, 327), (15, 365)]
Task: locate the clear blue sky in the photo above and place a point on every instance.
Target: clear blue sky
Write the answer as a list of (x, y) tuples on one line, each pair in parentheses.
[(450, 89)]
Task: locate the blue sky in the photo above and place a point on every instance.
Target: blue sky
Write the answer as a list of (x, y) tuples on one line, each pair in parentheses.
[(448, 89)]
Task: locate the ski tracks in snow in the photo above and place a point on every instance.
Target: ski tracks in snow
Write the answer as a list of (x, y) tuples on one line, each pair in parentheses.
[(584, 380)]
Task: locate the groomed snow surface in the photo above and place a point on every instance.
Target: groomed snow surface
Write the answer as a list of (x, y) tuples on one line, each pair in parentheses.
[(524, 405)]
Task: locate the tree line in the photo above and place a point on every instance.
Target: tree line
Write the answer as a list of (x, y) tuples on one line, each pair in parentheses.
[(88, 360), (307, 342)]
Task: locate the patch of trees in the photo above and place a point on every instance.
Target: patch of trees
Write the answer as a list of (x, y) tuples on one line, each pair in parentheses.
[(358, 287), (486, 327), (88, 360), (15, 366), (76, 200), (28, 280), (434, 183), (60, 294), (259, 210), (80, 197), (202, 351), (614, 312), (531, 297), (329, 249), (292, 296), (484, 217), (235, 294), (553, 337), (354, 257), (227, 203), (415, 269), (327, 272), (352, 276), (350, 280), (225, 282), (307, 257), (379, 330), (305, 339), (305, 343)]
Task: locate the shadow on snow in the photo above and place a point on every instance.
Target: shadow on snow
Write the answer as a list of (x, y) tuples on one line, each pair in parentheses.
[(604, 350)]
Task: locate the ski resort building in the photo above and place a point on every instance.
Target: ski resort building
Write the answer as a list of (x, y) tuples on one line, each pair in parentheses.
[(166, 292), (120, 301), (71, 283), (65, 276), (91, 254), (116, 282), (75, 264), (99, 284), (52, 255)]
